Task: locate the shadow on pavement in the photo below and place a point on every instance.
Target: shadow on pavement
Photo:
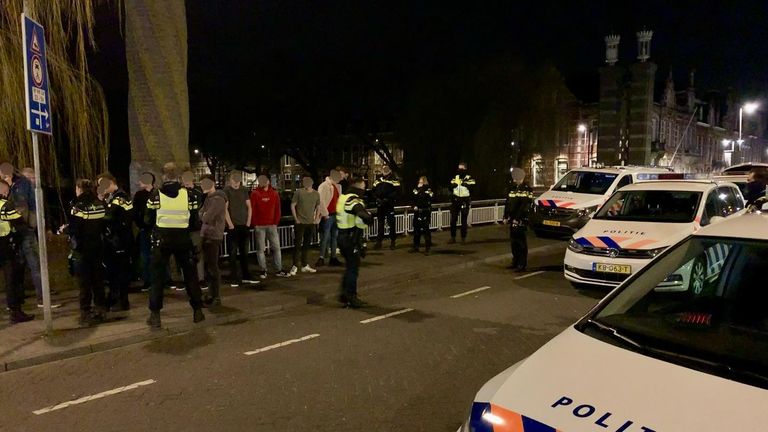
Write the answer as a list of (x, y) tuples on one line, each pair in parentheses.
[(181, 344)]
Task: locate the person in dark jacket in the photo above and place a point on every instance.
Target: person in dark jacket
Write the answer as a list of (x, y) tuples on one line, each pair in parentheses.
[(172, 210), (422, 216), (461, 201), (188, 180), (118, 238), (755, 190), (144, 237), (385, 192), (11, 221), (85, 229), (352, 219), (214, 219), (516, 211)]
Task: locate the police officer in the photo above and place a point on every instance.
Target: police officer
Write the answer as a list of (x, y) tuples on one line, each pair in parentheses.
[(10, 221), (118, 238), (352, 219), (172, 210), (422, 216), (85, 229), (461, 199), (385, 192), (518, 206)]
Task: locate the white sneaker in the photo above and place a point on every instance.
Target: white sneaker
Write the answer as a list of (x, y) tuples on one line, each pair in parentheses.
[(53, 305), (263, 275), (307, 269), (294, 270)]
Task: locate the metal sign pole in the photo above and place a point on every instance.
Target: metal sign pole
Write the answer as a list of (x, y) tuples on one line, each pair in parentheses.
[(41, 238)]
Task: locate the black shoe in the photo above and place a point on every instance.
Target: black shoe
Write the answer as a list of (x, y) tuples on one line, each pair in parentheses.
[(356, 303), (321, 262), (342, 299), (335, 263), (18, 316), (377, 246), (198, 316), (154, 320)]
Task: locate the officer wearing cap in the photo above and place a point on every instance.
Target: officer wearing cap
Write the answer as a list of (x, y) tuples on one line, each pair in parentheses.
[(172, 210), (118, 238), (9, 220), (516, 211)]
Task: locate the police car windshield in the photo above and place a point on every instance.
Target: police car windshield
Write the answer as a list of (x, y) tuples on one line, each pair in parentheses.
[(703, 305), (651, 206), (586, 182)]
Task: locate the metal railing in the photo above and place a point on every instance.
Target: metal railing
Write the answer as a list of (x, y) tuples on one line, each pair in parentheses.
[(480, 213)]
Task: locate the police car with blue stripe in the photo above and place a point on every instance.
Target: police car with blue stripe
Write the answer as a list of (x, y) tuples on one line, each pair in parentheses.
[(640, 221), (647, 358)]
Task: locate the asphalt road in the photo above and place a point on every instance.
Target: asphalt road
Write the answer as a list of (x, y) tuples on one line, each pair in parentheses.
[(314, 368)]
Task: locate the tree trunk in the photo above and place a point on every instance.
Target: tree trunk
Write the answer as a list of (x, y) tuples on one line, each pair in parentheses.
[(158, 103)]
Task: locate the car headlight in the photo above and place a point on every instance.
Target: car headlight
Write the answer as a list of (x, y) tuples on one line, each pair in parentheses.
[(587, 211), (652, 253), (574, 246)]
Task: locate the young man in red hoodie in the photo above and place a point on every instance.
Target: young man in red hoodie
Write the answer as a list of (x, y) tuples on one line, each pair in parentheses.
[(265, 203)]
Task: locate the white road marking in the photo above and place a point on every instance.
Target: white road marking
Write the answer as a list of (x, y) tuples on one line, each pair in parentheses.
[(281, 344), (529, 275), (471, 292), (381, 317), (93, 397)]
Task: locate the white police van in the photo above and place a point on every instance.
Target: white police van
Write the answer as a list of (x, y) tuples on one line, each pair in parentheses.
[(646, 359), (568, 205), (641, 220)]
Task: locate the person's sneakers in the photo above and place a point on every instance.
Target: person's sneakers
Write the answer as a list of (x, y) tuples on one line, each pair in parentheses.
[(145, 288), (282, 273), (18, 316), (198, 316), (53, 305), (335, 263), (234, 284), (294, 270), (248, 279), (308, 269), (154, 320), (263, 275)]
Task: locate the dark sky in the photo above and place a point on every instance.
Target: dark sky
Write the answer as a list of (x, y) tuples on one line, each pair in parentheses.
[(361, 58)]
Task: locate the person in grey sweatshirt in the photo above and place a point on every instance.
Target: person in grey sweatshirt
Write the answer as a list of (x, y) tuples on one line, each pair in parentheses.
[(214, 216)]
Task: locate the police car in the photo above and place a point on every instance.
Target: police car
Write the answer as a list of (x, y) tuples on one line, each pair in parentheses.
[(647, 359), (569, 204), (640, 221)]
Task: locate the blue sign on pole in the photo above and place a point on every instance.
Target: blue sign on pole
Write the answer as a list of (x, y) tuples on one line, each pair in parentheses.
[(38, 94)]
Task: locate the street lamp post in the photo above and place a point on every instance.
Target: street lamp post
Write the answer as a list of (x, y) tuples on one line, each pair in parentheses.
[(748, 108), (583, 129)]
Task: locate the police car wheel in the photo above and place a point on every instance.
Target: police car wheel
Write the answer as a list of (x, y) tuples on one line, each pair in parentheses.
[(698, 276)]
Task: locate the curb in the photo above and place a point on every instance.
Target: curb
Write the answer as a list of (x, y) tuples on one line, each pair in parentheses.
[(140, 336)]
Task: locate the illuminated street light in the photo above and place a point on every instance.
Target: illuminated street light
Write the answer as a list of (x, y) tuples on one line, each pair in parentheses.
[(751, 107), (582, 128), (197, 151)]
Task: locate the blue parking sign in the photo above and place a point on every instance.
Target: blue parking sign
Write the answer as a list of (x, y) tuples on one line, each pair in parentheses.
[(38, 95)]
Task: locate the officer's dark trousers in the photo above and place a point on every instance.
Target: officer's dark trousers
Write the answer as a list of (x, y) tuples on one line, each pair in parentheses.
[(519, 243), (460, 206), (9, 265), (421, 228), (90, 278), (118, 266), (237, 243), (386, 213), (211, 249), (349, 244), (184, 255)]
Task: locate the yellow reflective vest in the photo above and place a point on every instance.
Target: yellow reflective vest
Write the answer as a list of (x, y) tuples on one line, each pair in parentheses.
[(173, 212), (6, 216), (345, 219)]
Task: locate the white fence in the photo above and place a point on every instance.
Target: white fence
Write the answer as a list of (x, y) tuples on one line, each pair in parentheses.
[(481, 212)]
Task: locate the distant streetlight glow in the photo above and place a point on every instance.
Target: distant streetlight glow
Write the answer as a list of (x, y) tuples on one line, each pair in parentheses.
[(197, 151), (751, 107), (582, 128)]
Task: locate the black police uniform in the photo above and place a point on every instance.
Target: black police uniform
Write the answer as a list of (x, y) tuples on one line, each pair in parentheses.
[(172, 239), (461, 200), (516, 211), (11, 223), (118, 238), (85, 230), (422, 216), (385, 191), (350, 208)]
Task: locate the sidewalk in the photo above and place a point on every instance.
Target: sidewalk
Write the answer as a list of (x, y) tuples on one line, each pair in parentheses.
[(25, 345)]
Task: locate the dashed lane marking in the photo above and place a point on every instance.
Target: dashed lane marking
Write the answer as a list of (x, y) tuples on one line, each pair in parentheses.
[(381, 317), (281, 344), (93, 397), (470, 292), (530, 274)]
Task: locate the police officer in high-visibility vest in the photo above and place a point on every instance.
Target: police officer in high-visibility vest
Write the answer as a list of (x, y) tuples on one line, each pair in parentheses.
[(85, 229), (516, 212), (118, 238), (353, 220), (10, 221), (172, 210), (461, 200)]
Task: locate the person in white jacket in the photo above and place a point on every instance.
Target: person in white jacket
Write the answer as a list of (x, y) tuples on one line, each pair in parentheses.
[(329, 190)]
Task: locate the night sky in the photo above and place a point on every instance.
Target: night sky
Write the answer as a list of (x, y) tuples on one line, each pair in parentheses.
[(297, 61)]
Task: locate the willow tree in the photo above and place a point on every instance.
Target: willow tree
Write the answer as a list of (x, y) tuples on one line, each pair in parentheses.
[(158, 102), (78, 105)]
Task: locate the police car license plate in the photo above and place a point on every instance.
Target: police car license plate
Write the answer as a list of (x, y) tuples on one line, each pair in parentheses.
[(551, 223), (612, 268)]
